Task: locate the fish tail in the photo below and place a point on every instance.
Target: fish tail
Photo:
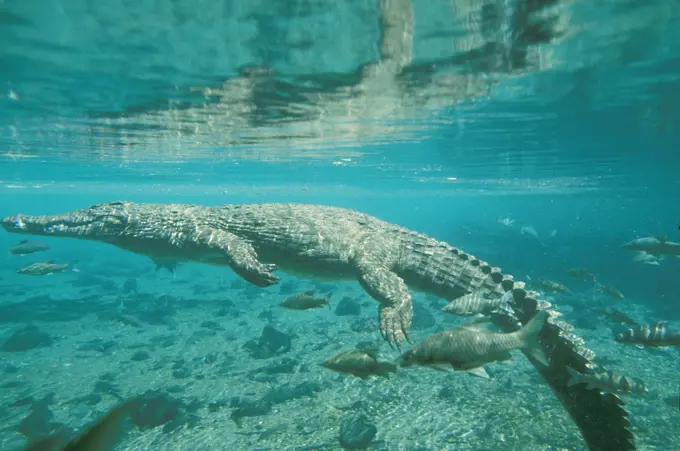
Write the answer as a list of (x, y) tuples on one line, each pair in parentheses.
[(104, 434), (386, 368), (505, 302), (529, 336), (575, 377)]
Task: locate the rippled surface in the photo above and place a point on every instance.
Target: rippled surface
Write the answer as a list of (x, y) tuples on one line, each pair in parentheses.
[(173, 80)]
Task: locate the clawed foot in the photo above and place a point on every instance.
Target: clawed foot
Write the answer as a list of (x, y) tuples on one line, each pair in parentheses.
[(394, 326), (261, 275)]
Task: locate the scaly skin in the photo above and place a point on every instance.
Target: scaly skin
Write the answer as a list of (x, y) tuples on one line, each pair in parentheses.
[(336, 243)]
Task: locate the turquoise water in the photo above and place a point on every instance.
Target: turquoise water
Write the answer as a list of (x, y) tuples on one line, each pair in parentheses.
[(442, 117)]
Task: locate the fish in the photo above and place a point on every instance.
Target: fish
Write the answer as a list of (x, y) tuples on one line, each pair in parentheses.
[(582, 274), (611, 291), (306, 300), (25, 247), (653, 335), (654, 245), (361, 363), (470, 346), (606, 381), (476, 303), (552, 234), (647, 259), (616, 315), (102, 436), (508, 222), (529, 231), (170, 265), (549, 285), (43, 268)]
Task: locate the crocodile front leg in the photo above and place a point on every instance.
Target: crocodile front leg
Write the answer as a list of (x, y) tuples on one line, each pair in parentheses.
[(396, 305), (241, 255)]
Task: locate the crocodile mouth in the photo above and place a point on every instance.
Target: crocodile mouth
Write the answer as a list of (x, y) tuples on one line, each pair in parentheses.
[(70, 225)]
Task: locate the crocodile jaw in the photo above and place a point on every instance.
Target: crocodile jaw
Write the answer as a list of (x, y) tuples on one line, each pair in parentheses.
[(84, 224)]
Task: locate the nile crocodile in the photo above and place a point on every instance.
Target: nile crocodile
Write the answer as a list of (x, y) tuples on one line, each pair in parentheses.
[(336, 243)]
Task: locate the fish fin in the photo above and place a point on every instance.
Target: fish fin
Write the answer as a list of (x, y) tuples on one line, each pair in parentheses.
[(442, 367), (505, 303), (479, 372), (662, 238), (371, 351), (591, 386), (385, 368), (328, 299), (575, 377), (309, 293), (529, 335), (23, 241), (104, 433), (538, 354)]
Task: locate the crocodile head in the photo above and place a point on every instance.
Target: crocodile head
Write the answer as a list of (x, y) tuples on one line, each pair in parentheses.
[(98, 222)]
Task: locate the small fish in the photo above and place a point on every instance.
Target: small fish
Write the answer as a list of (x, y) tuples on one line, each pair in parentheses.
[(529, 231), (611, 292), (647, 259), (616, 316), (361, 363), (582, 274), (606, 381), (477, 302), (43, 268), (306, 300), (507, 222), (654, 335), (102, 436), (549, 285), (25, 247), (469, 347), (552, 234), (170, 265), (657, 246)]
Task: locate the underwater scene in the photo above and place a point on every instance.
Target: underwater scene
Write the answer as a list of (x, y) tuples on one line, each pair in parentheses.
[(324, 225)]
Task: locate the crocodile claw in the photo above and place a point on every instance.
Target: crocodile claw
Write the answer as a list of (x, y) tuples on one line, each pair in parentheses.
[(392, 327), (260, 275)]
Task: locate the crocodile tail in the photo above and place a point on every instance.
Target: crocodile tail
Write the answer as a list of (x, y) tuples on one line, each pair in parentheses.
[(602, 419)]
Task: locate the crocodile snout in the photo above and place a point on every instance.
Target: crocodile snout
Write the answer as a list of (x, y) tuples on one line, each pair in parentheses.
[(12, 223)]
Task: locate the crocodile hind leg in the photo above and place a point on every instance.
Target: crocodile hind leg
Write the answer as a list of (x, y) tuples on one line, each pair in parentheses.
[(396, 305), (242, 257)]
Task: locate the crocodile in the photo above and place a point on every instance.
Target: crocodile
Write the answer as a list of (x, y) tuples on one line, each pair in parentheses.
[(332, 243)]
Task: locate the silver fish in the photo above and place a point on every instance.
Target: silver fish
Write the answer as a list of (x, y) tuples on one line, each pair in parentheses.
[(529, 231), (43, 268), (469, 347), (654, 245), (507, 222), (549, 285), (25, 247), (361, 363), (475, 303), (655, 335), (581, 273), (647, 259), (610, 291), (306, 300), (606, 381)]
